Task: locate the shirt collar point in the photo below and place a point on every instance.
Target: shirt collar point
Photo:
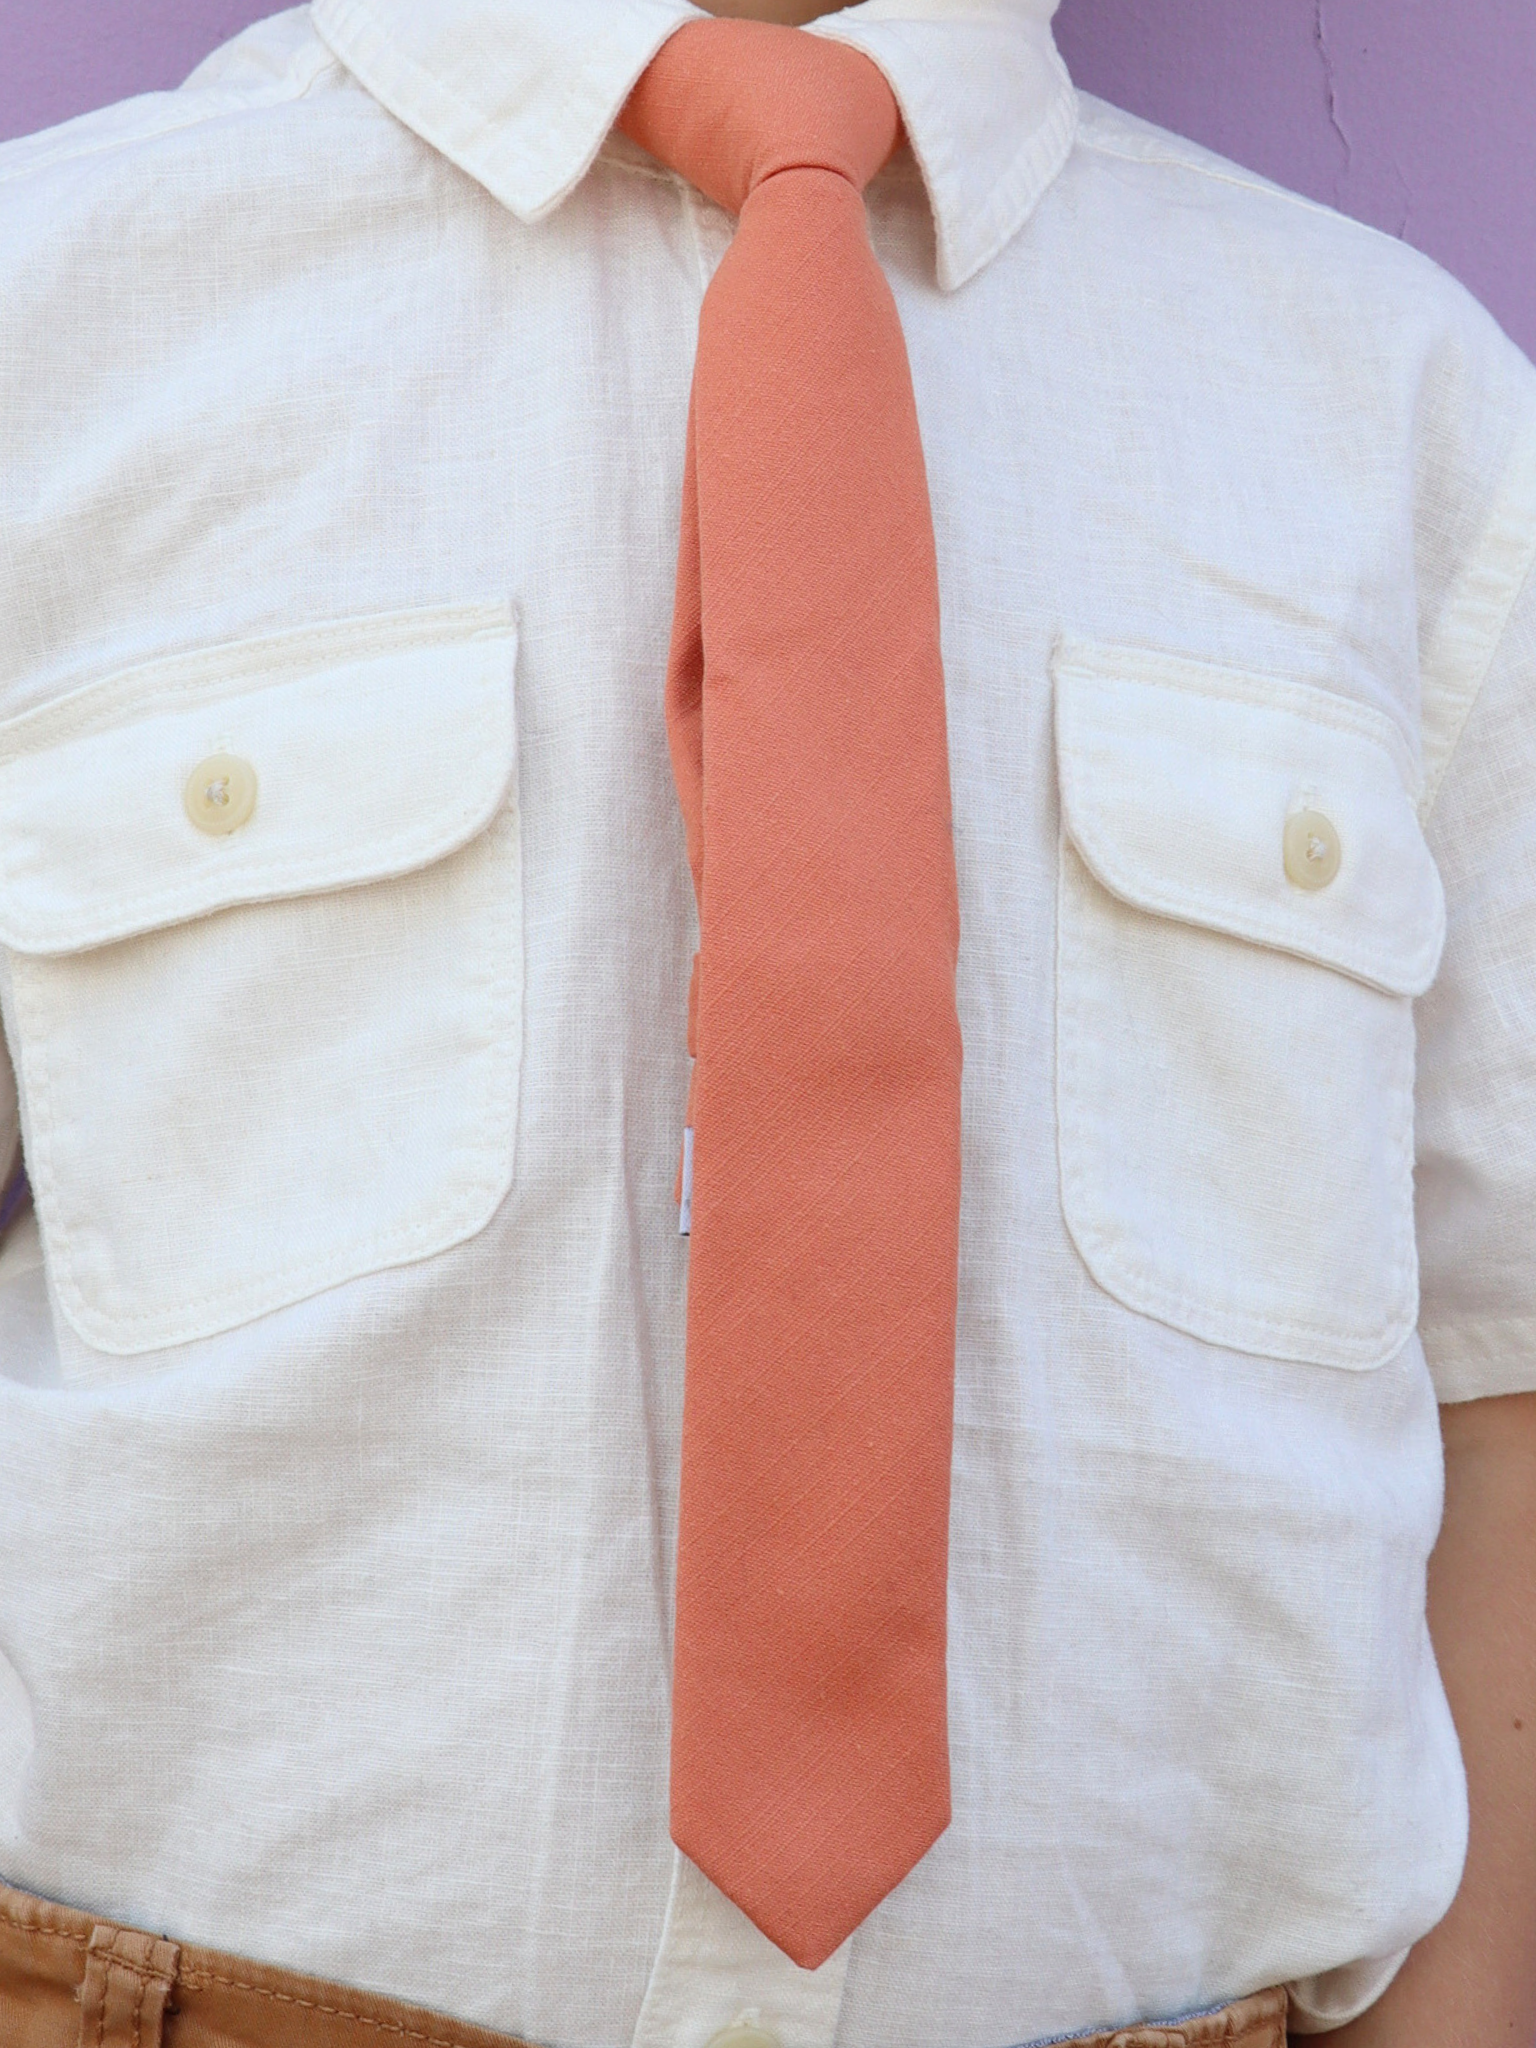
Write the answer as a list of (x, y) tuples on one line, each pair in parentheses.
[(985, 169), (526, 116), (529, 135), (966, 244)]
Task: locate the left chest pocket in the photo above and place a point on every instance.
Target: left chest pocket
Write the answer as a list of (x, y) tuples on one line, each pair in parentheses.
[(261, 906), (1246, 908)]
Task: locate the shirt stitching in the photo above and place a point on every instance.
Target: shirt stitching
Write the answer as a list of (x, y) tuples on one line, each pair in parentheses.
[(1170, 160), (169, 681), (463, 1210), (478, 134), (302, 875), (219, 103), (1515, 500), (1432, 795), (1244, 686), (1090, 1215)]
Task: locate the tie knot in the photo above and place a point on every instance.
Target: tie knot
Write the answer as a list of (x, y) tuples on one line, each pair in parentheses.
[(730, 103)]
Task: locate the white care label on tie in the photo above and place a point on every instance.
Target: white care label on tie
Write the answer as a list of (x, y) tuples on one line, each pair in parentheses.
[(685, 1206)]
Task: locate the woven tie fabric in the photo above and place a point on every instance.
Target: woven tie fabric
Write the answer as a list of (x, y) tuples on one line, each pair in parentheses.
[(805, 706)]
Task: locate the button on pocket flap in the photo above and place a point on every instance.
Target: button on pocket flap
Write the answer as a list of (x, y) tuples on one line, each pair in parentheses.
[(262, 918), (304, 762), (1269, 810)]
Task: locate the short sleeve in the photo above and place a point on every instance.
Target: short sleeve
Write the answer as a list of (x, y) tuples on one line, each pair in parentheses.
[(1476, 1098)]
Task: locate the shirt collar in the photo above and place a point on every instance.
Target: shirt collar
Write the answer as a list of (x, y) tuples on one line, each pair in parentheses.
[(521, 94)]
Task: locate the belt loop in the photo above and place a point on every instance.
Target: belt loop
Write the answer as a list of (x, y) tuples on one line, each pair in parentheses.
[(127, 1986)]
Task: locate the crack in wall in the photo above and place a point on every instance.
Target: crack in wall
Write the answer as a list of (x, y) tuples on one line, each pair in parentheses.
[(1331, 86), (1405, 194), (1369, 202)]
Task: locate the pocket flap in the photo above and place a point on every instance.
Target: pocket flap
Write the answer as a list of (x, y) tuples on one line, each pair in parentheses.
[(1177, 782), (377, 747)]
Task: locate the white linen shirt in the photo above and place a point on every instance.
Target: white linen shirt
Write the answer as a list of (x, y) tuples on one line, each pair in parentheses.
[(342, 401)]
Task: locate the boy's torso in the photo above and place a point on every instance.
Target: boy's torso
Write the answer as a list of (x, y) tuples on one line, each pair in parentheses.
[(343, 1540)]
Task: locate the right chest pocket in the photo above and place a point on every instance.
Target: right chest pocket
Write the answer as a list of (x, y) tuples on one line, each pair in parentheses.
[(257, 1062), (1235, 1043)]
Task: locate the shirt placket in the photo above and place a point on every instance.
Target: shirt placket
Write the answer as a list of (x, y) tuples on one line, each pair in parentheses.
[(717, 1979)]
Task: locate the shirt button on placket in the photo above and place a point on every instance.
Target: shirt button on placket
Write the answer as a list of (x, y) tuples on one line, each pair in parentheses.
[(745, 2031)]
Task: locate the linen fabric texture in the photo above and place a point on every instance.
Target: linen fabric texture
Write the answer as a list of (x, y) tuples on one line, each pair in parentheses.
[(344, 393)]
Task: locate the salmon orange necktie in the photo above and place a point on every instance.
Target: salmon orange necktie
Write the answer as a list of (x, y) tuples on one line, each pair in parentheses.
[(805, 706)]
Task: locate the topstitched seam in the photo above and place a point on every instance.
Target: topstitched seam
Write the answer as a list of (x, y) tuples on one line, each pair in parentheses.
[(1502, 515), (264, 880), (208, 673), (1285, 695), (117, 145), (147, 1971), (1170, 160), (1093, 1218), (195, 1980), (29, 1926), (498, 988), (204, 106), (477, 131)]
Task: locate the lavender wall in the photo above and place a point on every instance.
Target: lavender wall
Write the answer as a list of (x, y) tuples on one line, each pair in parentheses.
[(1416, 115)]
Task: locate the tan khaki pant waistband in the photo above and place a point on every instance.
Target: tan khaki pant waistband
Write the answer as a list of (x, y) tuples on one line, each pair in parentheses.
[(68, 1980)]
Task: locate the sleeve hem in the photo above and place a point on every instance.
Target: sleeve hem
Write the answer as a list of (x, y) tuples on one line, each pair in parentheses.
[(1479, 1360), (1320, 2004)]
